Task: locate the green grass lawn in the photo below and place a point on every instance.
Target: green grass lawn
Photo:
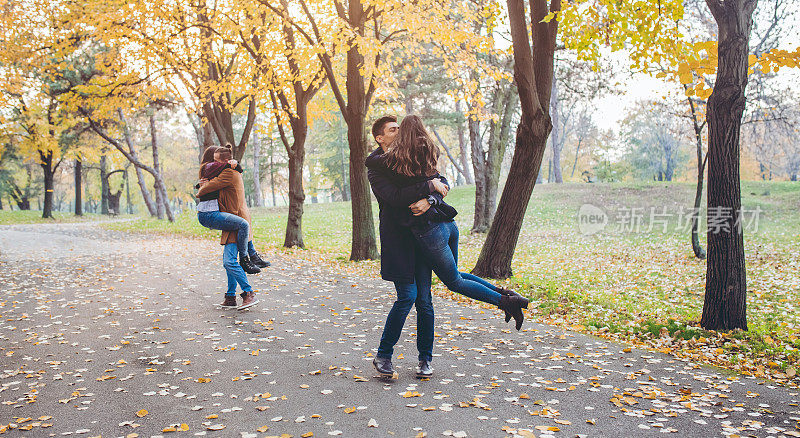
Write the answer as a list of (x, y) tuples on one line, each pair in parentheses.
[(8, 217), (625, 282)]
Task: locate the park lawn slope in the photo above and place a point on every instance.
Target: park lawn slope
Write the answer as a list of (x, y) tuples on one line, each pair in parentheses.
[(631, 281), (14, 217)]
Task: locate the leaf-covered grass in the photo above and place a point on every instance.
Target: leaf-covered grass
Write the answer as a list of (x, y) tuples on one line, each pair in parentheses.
[(640, 286), (8, 217)]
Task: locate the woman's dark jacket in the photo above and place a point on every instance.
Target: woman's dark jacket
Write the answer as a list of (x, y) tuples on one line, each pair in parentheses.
[(395, 193)]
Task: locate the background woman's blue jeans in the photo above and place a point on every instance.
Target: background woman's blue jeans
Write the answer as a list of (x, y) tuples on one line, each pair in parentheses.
[(219, 220), (440, 247), (411, 294), (234, 271)]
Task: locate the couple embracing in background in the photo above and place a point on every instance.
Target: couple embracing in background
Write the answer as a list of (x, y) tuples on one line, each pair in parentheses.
[(222, 207)]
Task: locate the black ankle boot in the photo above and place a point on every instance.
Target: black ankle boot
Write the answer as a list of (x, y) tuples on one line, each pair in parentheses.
[(248, 266), (383, 366), (258, 261), (424, 370), (504, 291), (509, 292), (514, 305)]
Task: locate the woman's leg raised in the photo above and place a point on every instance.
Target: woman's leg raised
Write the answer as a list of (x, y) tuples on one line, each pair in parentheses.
[(452, 242), (435, 245), (219, 220)]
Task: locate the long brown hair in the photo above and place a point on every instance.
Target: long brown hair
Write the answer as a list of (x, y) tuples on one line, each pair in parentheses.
[(413, 153), (208, 157)]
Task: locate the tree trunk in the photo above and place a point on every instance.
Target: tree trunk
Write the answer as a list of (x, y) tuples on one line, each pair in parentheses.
[(128, 192), (458, 171), (533, 75), (556, 135), (208, 138), (104, 184), (577, 151), (725, 305), (462, 144), (49, 170), (272, 176), (297, 154), (161, 201), (501, 241), (698, 250), (146, 197), (113, 202), (345, 188), (148, 200), (479, 222), (498, 142), (78, 187), (257, 196), (23, 202), (221, 120), (364, 246), (297, 196)]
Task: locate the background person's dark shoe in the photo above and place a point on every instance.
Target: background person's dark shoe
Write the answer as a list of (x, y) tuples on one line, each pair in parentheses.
[(424, 370), (248, 265), (258, 261), (383, 366), (249, 300), (229, 303)]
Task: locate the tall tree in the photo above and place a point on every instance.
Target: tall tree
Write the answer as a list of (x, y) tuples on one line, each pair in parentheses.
[(160, 188), (368, 33), (533, 75), (36, 53), (725, 305), (78, 173), (361, 80), (480, 69), (291, 83), (184, 49)]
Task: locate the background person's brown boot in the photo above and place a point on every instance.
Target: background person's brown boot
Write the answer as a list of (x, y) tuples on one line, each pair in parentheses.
[(249, 300), (229, 303)]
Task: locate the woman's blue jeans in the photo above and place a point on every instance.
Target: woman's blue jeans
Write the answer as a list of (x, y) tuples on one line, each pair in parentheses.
[(439, 245), (218, 220), (411, 294)]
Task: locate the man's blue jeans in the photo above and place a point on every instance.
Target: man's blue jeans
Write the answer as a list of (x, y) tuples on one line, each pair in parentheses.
[(234, 271), (439, 245), (218, 220), (411, 294)]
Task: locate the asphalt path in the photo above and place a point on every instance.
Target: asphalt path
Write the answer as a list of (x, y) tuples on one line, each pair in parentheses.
[(111, 334)]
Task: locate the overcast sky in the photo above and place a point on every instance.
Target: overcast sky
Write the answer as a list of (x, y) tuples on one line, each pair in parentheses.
[(612, 109)]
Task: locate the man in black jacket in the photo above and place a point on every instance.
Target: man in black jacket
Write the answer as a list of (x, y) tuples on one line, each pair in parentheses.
[(400, 262)]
